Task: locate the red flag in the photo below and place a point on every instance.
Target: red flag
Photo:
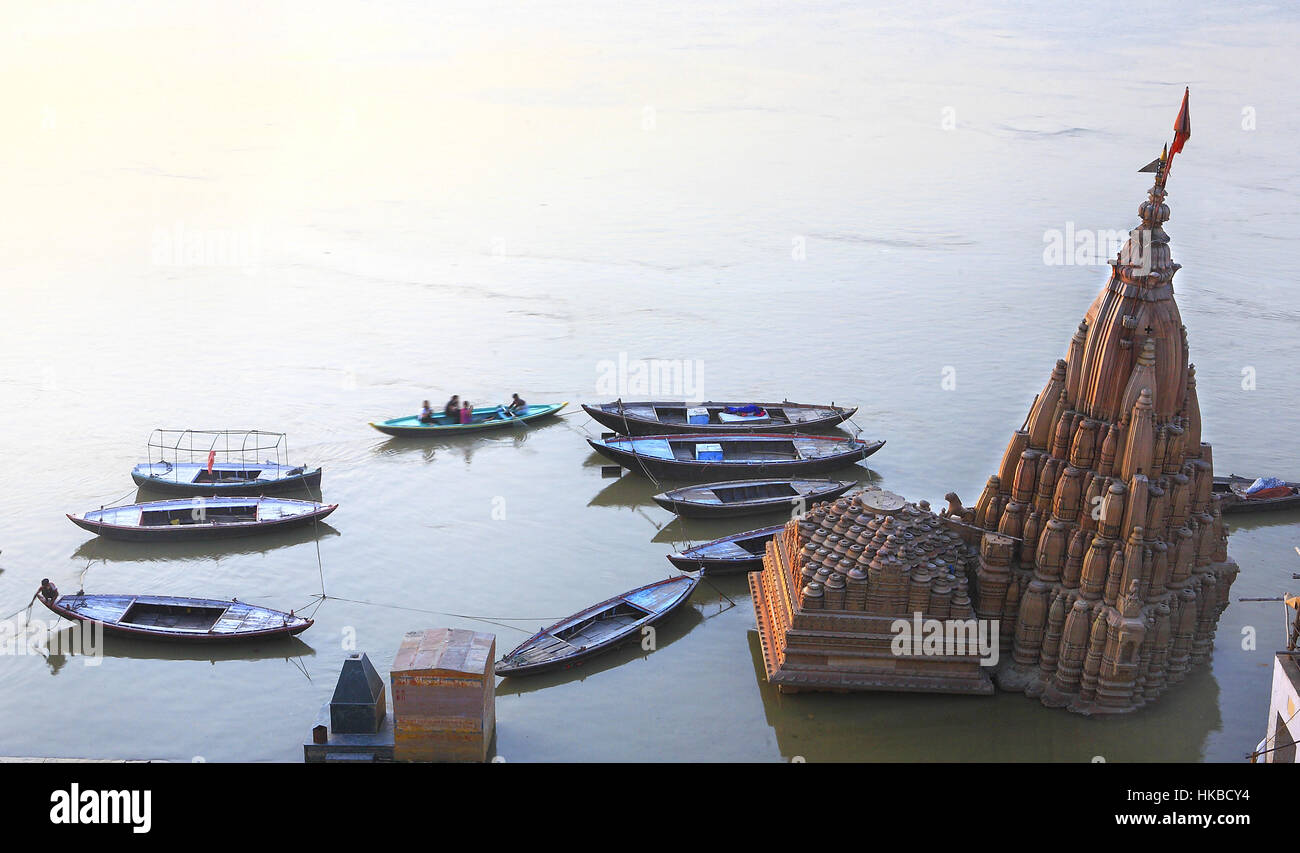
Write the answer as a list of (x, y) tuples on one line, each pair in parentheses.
[(212, 457), (1182, 126)]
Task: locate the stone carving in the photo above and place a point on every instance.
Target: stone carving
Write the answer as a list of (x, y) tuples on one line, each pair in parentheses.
[(1123, 572), (836, 582)]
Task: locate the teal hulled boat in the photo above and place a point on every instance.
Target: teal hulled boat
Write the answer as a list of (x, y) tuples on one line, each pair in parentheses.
[(495, 417)]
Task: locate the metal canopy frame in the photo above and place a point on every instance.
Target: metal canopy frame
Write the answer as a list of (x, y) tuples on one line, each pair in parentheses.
[(229, 445)]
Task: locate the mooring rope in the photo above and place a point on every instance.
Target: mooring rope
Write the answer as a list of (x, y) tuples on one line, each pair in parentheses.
[(315, 526), (116, 501), (499, 621), (704, 577), (301, 667), (689, 540), (1257, 753)]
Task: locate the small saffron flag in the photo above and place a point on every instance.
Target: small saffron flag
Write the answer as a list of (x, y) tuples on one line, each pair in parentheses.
[(1182, 126)]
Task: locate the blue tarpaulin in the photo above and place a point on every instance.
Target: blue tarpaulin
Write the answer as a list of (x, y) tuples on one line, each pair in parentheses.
[(1264, 483)]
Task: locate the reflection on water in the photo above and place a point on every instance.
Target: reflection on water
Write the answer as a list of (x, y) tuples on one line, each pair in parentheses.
[(629, 490), (906, 727), (695, 531), (288, 649), (462, 447), (116, 550), (1259, 521)]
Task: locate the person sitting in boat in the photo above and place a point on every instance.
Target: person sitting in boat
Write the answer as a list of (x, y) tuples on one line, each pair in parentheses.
[(516, 407), (426, 413), (466, 412), (452, 409), (48, 591)]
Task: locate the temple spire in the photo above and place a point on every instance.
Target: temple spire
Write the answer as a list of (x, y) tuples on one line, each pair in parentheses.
[(1139, 538)]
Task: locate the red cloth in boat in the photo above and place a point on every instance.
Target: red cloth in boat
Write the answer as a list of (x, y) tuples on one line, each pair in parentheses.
[(1275, 492)]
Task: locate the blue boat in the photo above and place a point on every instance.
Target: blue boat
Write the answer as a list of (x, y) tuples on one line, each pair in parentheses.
[(189, 519), (733, 457), (191, 620), (495, 417)]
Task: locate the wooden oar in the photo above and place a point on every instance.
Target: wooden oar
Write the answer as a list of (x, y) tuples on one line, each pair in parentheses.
[(510, 417)]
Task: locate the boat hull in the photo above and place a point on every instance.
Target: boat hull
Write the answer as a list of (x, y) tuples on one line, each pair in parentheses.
[(674, 591), (658, 467), (727, 555), (1231, 502), (688, 508), (99, 609), (168, 483), (629, 423), (410, 427), (193, 532)]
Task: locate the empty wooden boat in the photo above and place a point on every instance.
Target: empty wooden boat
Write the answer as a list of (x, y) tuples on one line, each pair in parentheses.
[(740, 552), (222, 462), (1233, 497), (192, 620), (749, 497), (659, 418), (731, 457), (599, 628), (495, 417), (184, 520)]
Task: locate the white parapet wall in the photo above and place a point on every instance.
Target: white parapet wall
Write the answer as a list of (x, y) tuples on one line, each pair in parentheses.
[(1283, 719)]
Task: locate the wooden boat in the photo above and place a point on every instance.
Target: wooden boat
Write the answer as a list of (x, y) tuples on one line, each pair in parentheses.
[(225, 478), (495, 417), (200, 518), (726, 457), (599, 628), (659, 418), (1232, 489), (749, 497), (222, 462), (739, 552), (192, 620)]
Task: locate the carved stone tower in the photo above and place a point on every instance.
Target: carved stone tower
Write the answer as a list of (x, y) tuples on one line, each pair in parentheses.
[(1102, 549)]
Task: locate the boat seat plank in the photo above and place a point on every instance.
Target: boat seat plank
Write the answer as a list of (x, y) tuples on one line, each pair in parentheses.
[(652, 600), (658, 448)]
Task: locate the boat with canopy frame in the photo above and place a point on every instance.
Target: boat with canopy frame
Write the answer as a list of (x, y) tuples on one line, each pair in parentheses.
[(222, 462)]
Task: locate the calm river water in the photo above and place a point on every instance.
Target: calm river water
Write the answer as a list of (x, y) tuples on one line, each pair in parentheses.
[(304, 217)]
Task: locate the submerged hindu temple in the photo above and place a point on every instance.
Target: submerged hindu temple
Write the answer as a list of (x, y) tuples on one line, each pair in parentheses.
[(1102, 552), (839, 585)]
